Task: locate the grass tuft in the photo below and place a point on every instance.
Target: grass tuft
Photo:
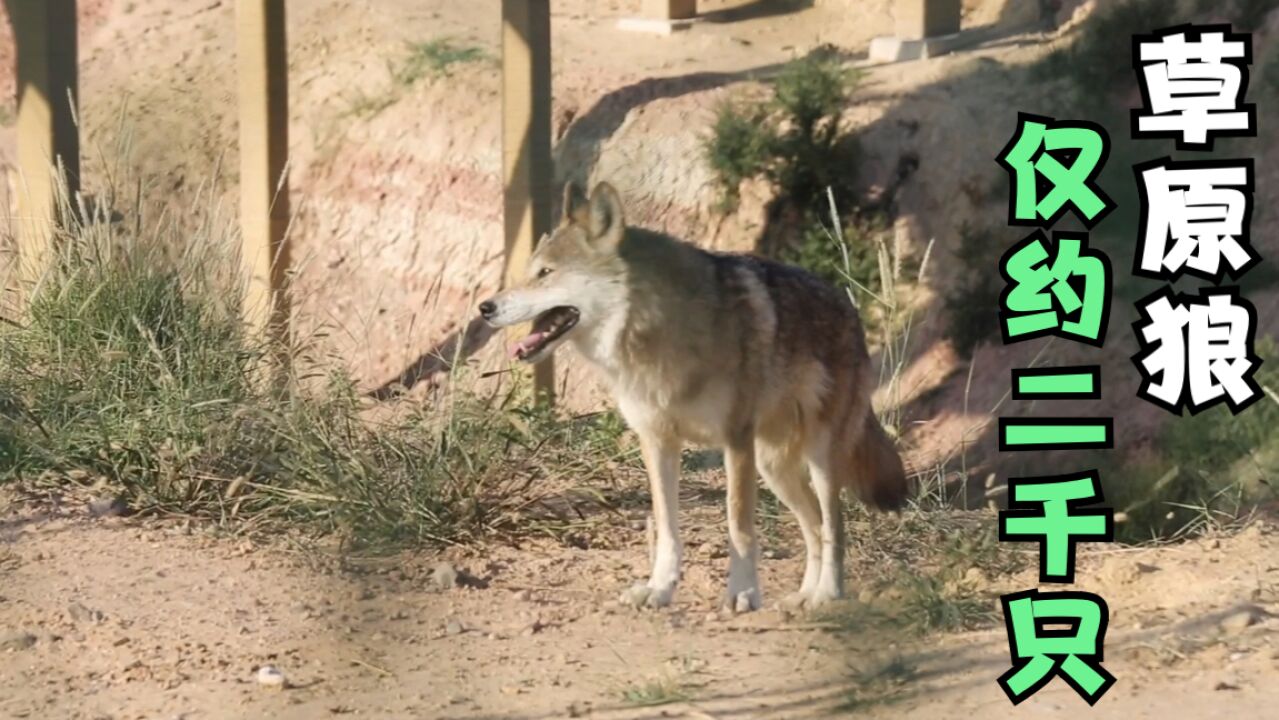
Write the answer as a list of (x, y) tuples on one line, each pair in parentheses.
[(130, 372), (435, 59)]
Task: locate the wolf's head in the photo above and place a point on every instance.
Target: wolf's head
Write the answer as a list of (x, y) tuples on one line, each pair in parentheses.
[(574, 280)]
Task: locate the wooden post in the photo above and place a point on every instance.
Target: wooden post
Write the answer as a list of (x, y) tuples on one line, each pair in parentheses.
[(669, 9), (662, 17), (919, 19), (264, 151), (48, 139), (527, 169), (925, 28)]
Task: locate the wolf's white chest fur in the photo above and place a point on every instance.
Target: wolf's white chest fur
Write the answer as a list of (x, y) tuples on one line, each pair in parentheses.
[(646, 395)]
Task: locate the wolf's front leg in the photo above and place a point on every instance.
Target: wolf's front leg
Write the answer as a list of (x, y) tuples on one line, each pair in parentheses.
[(661, 458), (743, 545)]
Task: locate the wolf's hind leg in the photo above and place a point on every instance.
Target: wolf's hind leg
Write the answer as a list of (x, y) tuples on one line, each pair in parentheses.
[(782, 467), (819, 451), (661, 459), (743, 544)]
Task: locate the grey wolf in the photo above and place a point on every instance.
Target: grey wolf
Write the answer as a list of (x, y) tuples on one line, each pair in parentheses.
[(758, 358)]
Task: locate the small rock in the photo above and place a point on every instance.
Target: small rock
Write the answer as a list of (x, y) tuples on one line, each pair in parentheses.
[(16, 641), (113, 506), (272, 677), (533, 629), (524, 595), (81, 614), (454, 627), (444, 576)]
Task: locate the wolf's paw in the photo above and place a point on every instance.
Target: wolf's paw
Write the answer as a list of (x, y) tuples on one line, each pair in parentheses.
[(642, 596), (820, 597), (743, 601)]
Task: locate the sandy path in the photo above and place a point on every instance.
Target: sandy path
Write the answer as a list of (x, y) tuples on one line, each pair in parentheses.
[(138, 618)]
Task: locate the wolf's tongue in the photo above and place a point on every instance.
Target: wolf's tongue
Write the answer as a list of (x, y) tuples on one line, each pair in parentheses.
[(526, 343)]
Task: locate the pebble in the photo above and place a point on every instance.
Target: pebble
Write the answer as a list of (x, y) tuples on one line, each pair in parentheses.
[(444, 576), (113, 506), (454, 627), (16, 641), (270, 676), (80, 613)]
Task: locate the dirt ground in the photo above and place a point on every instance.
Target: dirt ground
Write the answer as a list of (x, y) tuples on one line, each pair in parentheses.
[(399, 230), (143, 618)]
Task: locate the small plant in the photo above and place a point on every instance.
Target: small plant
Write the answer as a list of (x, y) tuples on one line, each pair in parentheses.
[(930, 605), (973, 298), (739, 148), (435, 59), (880, 685), (657, 692), (853, 263), (366, 105)]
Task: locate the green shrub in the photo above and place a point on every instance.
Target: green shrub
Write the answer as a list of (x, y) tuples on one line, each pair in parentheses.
[(820, 252), (973, 297), (739, 148), (794, 140)]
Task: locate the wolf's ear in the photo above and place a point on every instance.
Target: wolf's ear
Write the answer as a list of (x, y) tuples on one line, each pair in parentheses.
[(607, 223), (574, 209)]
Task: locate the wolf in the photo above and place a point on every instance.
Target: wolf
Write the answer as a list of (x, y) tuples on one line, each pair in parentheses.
[(761, 359)]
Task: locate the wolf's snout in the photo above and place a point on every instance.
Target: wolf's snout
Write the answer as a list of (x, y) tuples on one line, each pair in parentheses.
[(487, 308)]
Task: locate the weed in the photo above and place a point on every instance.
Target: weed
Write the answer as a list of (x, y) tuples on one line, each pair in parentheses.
[(973, 298), (657, 692), (880, 685), (366, 105), (435, 59)]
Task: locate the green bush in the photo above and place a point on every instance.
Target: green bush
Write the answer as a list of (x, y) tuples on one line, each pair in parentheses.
[(973, 297), (820, 252), (739, 148), (1205, 469), (794, 140)]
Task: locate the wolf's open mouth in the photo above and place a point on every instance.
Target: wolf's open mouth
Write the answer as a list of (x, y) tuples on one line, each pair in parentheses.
[(547, 328)]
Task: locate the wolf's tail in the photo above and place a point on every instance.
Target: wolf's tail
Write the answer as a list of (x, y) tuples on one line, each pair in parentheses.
[(875, 470)]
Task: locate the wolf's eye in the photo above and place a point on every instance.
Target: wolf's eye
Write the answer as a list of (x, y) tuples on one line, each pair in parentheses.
[(544, 272)]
